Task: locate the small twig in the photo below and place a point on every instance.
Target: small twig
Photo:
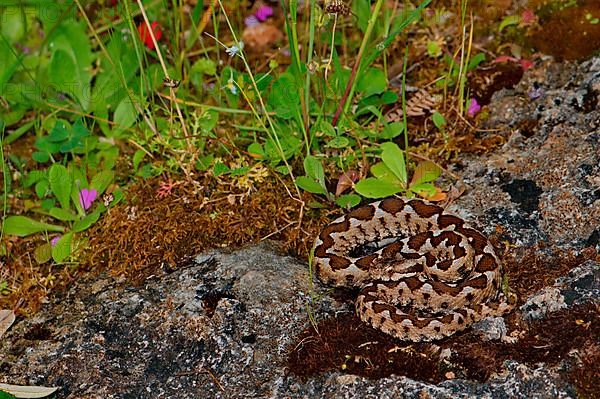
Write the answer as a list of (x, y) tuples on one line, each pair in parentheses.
[(344, 98), (277, 231), (332, 45)]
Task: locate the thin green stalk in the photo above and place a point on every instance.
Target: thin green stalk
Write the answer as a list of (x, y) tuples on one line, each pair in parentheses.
[(309, 57), (360, 63), (292, 31), (404, 107), (5, 181), (273, 134), (463, 59), (363, 46)]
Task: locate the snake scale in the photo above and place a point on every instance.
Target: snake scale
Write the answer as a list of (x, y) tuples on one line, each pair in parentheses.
[(423, 273)]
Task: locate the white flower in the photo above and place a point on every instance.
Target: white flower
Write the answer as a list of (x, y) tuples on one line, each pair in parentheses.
[(235, 49)]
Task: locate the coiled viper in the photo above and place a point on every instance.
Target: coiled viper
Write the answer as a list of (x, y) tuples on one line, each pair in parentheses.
[(423, 274)]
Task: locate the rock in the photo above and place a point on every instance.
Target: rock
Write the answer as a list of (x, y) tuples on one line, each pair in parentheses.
[(221, 328), (580, 286)]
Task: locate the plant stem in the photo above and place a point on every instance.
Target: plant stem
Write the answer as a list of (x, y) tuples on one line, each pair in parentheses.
[(311, 42), (350, 86)]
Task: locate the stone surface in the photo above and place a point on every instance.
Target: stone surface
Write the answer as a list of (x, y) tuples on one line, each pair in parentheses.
[(220, 328), (222, 325)]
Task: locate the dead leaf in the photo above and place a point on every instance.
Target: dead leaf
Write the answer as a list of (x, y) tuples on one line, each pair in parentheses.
[(7, 318), (21, 391), (422, 103), (438, 196), (346, 181)]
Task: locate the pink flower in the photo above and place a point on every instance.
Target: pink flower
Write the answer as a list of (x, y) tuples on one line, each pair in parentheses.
[(525, 64), (86, 197), (474, 107), (528, 16), (54, 240), (263, 13), (506, 58)]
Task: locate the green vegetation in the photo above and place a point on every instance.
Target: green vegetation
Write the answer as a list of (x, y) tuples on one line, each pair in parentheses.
[(94, 97)]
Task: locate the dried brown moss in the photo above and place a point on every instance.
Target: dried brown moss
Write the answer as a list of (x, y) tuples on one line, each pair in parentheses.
[(136, 239)]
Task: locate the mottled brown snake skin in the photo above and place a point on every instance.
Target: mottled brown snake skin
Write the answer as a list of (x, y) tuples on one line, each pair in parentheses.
[(423, 274)]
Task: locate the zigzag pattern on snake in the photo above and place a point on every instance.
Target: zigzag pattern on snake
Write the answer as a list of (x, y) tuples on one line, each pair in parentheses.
[(423, 274)]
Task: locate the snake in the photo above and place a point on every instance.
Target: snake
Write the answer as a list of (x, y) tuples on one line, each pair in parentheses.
[(423, 274)]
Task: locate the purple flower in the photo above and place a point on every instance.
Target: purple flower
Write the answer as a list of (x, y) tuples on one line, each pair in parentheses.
[(474, 107), (86, 197), (251, 21), (263, 13), (54, 240)]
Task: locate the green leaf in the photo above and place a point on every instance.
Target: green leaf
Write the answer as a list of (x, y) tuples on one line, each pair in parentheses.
[(348, 201), (362, 10), (60, 184), (43, 253), (424, 189), (203, 163), (203, 66), (220, 168), (40, 157), (256, 150), (23, 226), (42, 187), (70, 65), (308, 184), (59, 132), (62, 70), (382, 173), (372, 81), (108, 88), (426, 171), (475, 61), (393, 158), (284, 98), (283, 169), (137, 158), (338, 142), (86, 222), (6, 395), (14, 22), (392, 130), (510, 20), (314, 169), (62, 249), (208, 120), (433, 49), (62, 214), (102, 180), (33, 177), (18, 132), (117, 197), (125, 114), (438, 120), (376, 188)]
